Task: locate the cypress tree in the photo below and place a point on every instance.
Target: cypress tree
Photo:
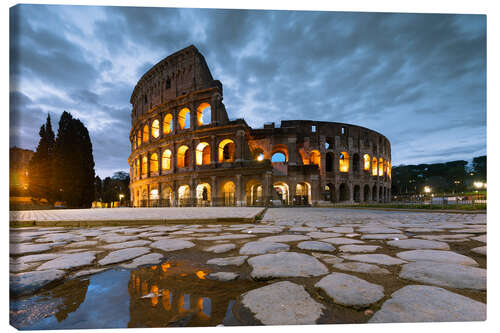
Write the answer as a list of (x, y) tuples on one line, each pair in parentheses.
[(40, 166)]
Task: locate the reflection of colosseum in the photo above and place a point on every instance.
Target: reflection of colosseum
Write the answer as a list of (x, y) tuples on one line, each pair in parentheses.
[(186, 151)]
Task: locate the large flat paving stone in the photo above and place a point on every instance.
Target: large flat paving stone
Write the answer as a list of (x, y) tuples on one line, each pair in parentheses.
[(285, 264), (226, 237), (378, 230), (123, 255), (384, 236), (481, 238), (82, 244), (349, 290), (417, 303), (147, 259), (381, 259), (316, 246), (445, 275), (328, 258), (480, 250), (262, 247), (438, 256), (228, 261), (223, 276), (358, 248), (172, 244), (38, 257), (114, 238), (61, 237), (23, 248), (361, 267), (320, 234), (418, 244), (69, 261), (222, 248), (30, 282), (342, 241), (285, 238), (342, 230), (135, 243), (282, 303)]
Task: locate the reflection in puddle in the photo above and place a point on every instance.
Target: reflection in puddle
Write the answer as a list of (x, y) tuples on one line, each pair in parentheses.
[(170, 294)]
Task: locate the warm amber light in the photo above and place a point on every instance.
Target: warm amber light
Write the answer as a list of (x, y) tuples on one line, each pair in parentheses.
[(167, 124), (183, 118), (201, 275), (203, 111), (154, 300), (165, 266), (344, 162), (183, 157), (226, 150), (315, 157), (166, 159), (144, 165), (155, 128), (202, 154), (366, 165), (374, 166), (145, 134), (153, 163), (381, 167)]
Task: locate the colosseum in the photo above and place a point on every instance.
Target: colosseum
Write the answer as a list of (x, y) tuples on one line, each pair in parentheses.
[(187, 152)]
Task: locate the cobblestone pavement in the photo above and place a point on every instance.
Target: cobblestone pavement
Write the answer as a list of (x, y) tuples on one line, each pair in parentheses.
[(312, 265)]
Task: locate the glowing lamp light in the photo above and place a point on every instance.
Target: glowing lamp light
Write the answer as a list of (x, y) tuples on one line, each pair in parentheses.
[(427, 189), (260, 157), (121, 196), (479, 184)]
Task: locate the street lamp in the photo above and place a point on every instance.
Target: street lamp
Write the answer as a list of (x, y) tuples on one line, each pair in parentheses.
[(479, 185), (427, 189)]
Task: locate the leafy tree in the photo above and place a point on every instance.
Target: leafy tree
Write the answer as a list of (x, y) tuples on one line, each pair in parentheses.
[(479, 167), (73, 163), (97, 189), (116, 185), (40, 166)]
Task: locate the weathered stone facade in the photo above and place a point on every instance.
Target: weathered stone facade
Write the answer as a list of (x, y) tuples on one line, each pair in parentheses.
[(186, 151)]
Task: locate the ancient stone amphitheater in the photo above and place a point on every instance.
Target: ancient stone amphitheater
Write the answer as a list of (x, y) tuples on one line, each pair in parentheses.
[(187, 152)]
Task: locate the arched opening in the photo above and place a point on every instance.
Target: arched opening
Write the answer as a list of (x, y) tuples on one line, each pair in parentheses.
[(366, 162), (144, 166), (344, 162), (281, 193), (155, 128), (183, 118), (253, 193), (315, 158), (381, 167), (228, 190), (278, 157), (183, 157), (139, 138), (374, 193), (366, 193), (184, 194), (329, 162), (145, 133), (226, 150), (153, 162), (357, 193), (203, 114), (385, 167), (302, 194), (385, 195), (202, 153), (134, 139), (137, 199), (166, 160), (355, 163), (154, 197), (203, 195), (279, 153), (137, 169), (144, 199), (258, 154), (374, 166), (166, 197), (389, 170), (168, 124), (330, 193), (343, 192)]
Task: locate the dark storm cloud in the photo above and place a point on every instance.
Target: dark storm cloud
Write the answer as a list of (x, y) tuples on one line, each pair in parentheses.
[(418, 79)]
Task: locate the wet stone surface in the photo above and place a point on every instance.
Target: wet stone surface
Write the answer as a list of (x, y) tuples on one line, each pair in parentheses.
[(269, 272)]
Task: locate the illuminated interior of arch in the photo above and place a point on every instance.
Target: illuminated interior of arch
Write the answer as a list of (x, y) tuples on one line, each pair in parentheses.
[(203, 113), (344, 162), (258, 154), (166, 159), (144, 165), (155, 128), (183, 192), (153, 162), (366, 162), (183, 157), (202, 153), (281, 190), (184, 118), (389, 170), (167, 124), (203, 192), (153, 194), (166, 193), (139, 138), (374, 166), (226, 150), (385, 167), (381, 167), (145, 133), (315, 157)]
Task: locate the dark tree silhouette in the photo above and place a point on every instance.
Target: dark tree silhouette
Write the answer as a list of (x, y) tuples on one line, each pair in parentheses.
[(40, 167)]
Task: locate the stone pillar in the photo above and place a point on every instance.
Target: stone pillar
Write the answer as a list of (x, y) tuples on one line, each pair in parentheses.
[(192, 155), (140, 167), (315, 189), (174, 194), (213, 149), (292, 189), (267, 187), (351, 192), (175, 123), (292, 150), (213, 190), (159, 192), (148, 196), (239, 190), (193, 121), (192, 190), (240, 138), (174, 157), (148, 174), (213, 110), (161, 115), (158, 153)]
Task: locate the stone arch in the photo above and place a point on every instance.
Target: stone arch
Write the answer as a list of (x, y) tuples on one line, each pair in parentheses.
[(254, 193), (380, 194), (145, 133), (226, 150), (280, 149), (366, 162), (381, 167), (357, 193), (168, 123), (184, 195), (374, 193), (166, 196), (203, 114), (153, 162), (302, 194), (258, 154), (344, 162), (144, 165), (330, 194), (343, 192), (281, 192), (329, 162), (139, 138), (315, 158), (366, 193), (228, 190), (355, 162), (155, 128), (183, 118), (374, 166), (202, 153), (166, 159), (203, 194), (183, 157)]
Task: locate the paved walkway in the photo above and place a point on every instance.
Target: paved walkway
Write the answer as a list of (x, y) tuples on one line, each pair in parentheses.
[(381, 266)]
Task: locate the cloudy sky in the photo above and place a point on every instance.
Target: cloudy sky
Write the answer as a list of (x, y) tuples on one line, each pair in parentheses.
[(420, 79)]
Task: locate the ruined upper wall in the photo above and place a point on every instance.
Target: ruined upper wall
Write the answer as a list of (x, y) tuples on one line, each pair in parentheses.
[(180, 73)]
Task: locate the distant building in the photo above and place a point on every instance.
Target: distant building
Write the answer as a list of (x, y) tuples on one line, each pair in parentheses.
[(186, 151), (19, 163)]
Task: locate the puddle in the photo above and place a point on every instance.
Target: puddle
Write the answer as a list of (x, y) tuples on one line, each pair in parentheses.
[(170, 294)]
